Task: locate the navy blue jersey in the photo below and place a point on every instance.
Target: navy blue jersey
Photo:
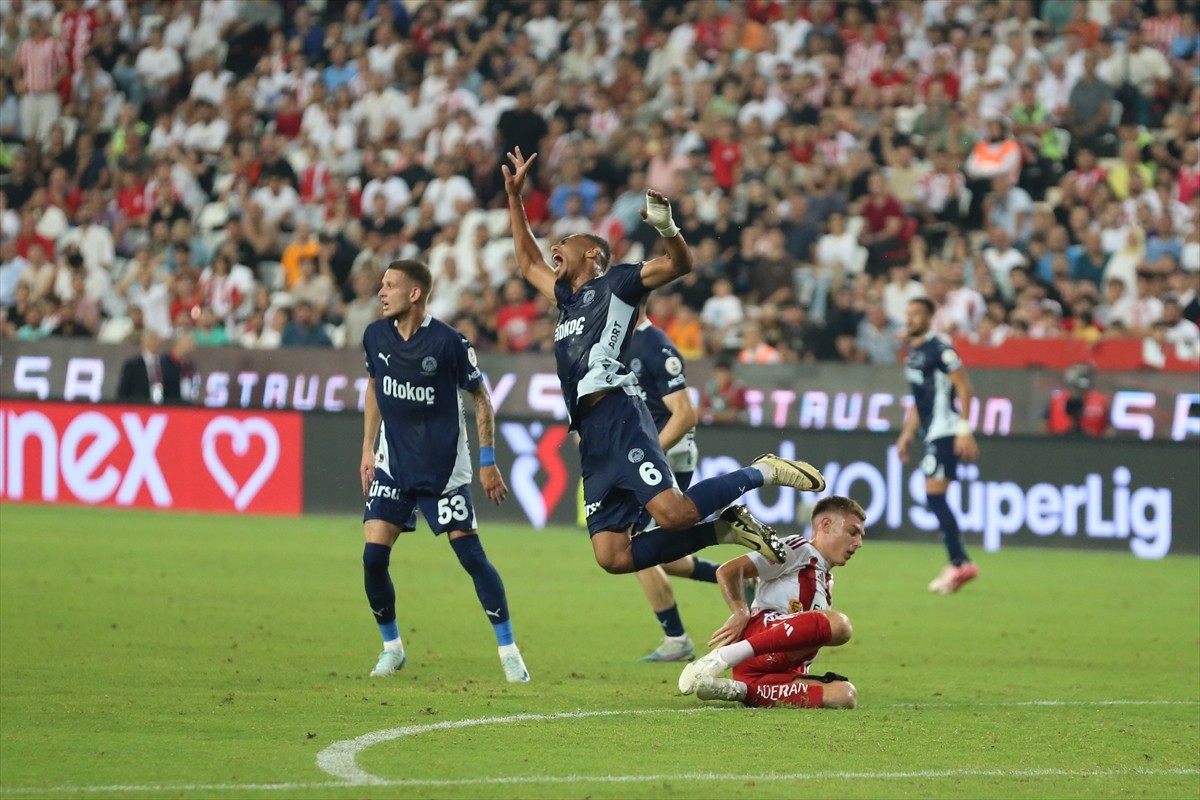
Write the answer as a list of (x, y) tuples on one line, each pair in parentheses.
[(659, 368), (928, 367), (423, 441), (595, 326)]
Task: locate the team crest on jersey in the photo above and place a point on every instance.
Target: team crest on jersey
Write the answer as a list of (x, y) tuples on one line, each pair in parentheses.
[(428, 365), (588, 297), (636, 455), (635, 365), (472, 357), (673, 365)]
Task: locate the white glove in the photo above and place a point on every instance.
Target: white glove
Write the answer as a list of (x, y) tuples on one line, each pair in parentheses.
[(658, 214)]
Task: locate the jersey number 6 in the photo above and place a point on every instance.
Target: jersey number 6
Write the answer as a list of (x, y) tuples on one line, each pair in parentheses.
[(649, 474)]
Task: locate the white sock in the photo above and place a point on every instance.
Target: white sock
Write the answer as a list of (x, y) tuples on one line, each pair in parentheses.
[(680, 639), (765, 470), (736, 653), (395, 645), (505, 649)]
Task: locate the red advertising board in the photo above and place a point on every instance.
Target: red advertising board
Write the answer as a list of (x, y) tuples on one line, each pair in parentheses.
[(183, 459)]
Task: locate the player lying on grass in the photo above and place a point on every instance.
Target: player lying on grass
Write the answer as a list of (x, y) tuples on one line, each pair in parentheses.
[(623, 464), (771, 644)]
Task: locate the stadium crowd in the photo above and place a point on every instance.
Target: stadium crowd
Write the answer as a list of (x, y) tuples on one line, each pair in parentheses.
[(244, 169)]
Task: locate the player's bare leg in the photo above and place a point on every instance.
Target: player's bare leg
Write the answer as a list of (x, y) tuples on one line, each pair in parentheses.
[(676, 644)]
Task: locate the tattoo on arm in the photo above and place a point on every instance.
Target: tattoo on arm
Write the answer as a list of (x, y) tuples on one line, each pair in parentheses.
[(485, 417)]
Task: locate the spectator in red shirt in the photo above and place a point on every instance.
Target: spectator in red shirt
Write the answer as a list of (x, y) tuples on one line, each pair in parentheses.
[(884, 226), (723, 400), (514, 319), (726, 155)]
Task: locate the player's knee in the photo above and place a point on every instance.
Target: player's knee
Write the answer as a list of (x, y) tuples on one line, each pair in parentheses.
[(841, 694), (376, 557), (674, 513), (469, 551), (840, 630), (618, 563)]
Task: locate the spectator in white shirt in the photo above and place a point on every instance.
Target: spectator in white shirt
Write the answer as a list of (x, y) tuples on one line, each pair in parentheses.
[(1173, 329), (451, 195), (722, 315), (158, 65), (383, 54), (279, 201), (544, 31), (1002, 258), (393, 188), (211, 82), (208, 132), (900, 289)]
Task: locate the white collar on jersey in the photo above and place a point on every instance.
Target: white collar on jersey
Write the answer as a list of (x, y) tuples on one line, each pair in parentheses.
[(644, 325)]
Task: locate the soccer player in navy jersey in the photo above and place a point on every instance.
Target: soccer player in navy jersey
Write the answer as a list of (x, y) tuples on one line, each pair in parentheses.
[(771, 643), (415, 455), (624, 467), (936, 375), (662, 383)]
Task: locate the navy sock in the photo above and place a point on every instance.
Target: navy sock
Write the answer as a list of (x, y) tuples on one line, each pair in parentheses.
[(659, 546), (949, 525), (704, 570), (488, 586), (672, 625), (381, 594), (715, 493)]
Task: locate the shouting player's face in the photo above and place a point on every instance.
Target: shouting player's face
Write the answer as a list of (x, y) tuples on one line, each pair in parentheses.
[(917, 320), (838, 536), (573, 254), (397, 295)]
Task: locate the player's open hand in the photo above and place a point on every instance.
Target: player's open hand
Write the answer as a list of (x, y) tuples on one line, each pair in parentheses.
[(493, 484), (902, 448), (658, 209), (514, 180), (366, 471), (966, 448), (731, 630)]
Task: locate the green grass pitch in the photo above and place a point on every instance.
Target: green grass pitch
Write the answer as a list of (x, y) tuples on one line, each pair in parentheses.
[(152, 655)]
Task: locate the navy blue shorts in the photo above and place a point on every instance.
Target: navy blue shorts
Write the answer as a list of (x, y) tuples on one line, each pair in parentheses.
[(623, 465), (940, 461), (453, 511)]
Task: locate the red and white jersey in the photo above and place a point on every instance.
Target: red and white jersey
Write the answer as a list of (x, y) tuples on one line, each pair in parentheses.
[(802, 582)]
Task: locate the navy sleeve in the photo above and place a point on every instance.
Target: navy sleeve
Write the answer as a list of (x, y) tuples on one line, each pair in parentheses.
[(367, 352), (625, 281), (947, 359), (668, 370), (467, 364)]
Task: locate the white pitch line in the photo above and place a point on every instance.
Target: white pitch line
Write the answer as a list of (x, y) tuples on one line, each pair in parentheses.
[(577, 779), (339, 759)]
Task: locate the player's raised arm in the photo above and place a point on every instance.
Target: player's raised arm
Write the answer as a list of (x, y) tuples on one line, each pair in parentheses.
[(371, 422), (729, 577), (678, 260), (965, 446), (532, 264), (485, 423)]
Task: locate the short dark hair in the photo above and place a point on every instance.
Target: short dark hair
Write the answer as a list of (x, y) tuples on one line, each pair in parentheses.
[(836, 502), (605, 251), (927, 303), (417, 273)]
